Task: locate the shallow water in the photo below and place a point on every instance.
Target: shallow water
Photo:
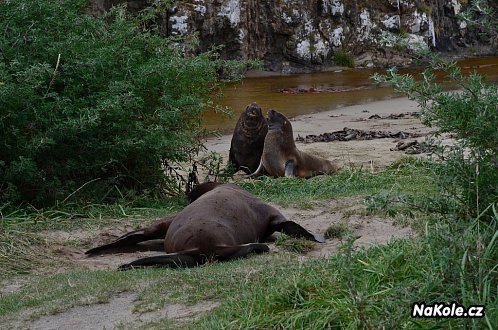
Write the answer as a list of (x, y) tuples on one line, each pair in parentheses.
[(309, 93)]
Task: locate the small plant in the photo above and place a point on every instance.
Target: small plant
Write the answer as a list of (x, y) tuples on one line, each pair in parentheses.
[(337, 230), (480, 15), (292, 244), (403, 32), (343, 59), (424, 8), (212, 164)]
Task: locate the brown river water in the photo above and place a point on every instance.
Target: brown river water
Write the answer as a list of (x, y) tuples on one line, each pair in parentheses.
[(315, 92)]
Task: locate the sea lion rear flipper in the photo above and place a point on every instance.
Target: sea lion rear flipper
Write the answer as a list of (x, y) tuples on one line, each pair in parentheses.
[(293, 229), (171, 260), (156, 231), (289, 168), (128, 239)]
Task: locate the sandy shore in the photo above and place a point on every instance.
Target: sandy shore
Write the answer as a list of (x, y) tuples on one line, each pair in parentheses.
[(374, 153)]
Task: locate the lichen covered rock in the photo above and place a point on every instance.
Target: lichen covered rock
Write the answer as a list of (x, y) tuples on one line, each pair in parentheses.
[(297, 36)]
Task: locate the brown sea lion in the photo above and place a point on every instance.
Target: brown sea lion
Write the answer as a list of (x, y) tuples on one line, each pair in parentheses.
[(281, 157), (200, 190), (248, 139), (224, 223)]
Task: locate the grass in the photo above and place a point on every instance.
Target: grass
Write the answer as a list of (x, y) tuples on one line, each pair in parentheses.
[(406, 176), (21, 246), (338, 230), (343, 59), (449, 261), (292, 244)]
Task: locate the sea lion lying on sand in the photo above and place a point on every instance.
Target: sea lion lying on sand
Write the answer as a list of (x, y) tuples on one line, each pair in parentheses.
[(224, 223), (281, 157)]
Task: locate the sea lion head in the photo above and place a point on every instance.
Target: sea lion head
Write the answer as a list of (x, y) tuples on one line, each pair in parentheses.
[(276, 120), (253, 116)]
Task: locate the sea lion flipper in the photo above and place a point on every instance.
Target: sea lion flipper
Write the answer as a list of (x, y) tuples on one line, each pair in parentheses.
[(128, 239), (259, 169), (293, 229), (239, 251), (289, 168), (171, 260), (155, 231)]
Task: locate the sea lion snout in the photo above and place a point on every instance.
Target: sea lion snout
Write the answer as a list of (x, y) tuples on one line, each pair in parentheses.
[(275, 119), (253, 110)]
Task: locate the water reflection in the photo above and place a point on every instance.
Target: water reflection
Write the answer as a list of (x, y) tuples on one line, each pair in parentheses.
[(315, 92)]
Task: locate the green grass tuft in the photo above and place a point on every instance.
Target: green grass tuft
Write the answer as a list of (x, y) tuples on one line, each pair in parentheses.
[(337, 231), (296, 245), (344, 59)]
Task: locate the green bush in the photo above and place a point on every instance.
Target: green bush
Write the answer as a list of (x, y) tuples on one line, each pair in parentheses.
[(343, 59), (468, 171), (97, 107)]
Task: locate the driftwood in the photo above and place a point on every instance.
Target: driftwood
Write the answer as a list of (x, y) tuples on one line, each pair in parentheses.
[(392, 116), (317, 90), (414, 114), (411, 147), (349, 134)]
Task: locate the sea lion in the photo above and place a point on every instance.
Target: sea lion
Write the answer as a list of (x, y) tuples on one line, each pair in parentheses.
[(224, 223), (281, 157), (201, 189), (248, 139)]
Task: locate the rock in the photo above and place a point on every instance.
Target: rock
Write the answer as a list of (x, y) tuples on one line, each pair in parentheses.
[(301, 36)]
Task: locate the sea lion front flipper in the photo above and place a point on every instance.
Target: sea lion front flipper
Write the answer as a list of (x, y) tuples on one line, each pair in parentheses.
[(171, 260), (289, 168), (259, 169), (239, 251), (293, 229)]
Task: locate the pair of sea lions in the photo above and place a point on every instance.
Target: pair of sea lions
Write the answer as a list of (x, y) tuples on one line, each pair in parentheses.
[(273, 149), (223, 222)]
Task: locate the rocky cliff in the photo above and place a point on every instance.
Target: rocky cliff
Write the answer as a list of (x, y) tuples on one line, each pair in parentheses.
[(296, 36)]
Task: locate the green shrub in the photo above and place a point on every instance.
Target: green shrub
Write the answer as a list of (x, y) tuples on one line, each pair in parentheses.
[(468, 171), (343, 59), (97, 107)]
